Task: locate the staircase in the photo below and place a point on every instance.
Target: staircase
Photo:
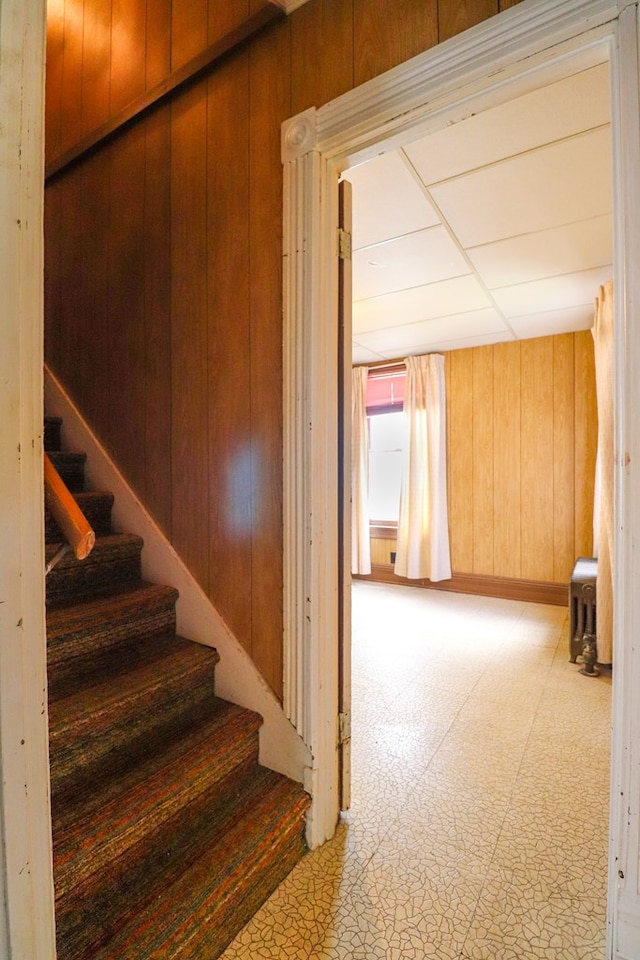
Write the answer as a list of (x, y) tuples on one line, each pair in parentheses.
[(167, 834)]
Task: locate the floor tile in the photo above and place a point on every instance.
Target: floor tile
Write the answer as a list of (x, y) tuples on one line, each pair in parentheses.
[(478, 829)]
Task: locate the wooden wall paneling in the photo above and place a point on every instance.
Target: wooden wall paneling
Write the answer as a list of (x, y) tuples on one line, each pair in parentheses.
[(189, 28), (96, 64), (381, 550), (229, 346), (79, 355), (126, 305), (326, 28), (506, 458), (482, 476), (537, 459), (270, 105), (157, 316), (460, 460), (388, 32), (53, 78), (128, 51), (586, 432), (71, 98), (563, 457), (189, 368), (224, 16), (505, 4), (54, 287), (454, 16), (158, 42)]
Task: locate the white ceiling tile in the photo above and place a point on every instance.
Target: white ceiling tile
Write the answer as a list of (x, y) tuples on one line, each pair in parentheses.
[(566, 249), (360, 354), (553, 322), (387, 201), (559, 110), (414, 337), (555, 293), (419, 303), (549, 187), (410, 261)]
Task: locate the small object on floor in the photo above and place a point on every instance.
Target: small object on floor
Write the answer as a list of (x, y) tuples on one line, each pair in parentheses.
[(589, 656), (582, 604)]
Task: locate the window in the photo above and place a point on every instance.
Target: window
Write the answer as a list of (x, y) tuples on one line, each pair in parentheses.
[(387, 443)]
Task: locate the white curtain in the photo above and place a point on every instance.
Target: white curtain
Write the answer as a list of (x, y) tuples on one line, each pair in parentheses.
[(360, 542), (423, 531), (603, 499)]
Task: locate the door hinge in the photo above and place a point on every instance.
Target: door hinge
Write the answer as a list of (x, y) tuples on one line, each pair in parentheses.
[(344, 727), (344, 244)]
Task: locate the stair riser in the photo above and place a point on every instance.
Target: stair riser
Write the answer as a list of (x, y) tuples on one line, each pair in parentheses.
[(81, 750), (72, 581), (94, 910), (52, 426), (83, 662), (96, 640), (232, 880), (70, 466), (95, 507)]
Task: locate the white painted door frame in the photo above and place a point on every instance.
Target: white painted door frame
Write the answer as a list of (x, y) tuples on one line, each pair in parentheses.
[(525, 47), (26, 885)]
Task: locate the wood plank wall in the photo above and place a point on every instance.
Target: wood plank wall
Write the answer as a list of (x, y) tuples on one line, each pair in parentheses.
[(521, 436), (529, 419), (163, 258)]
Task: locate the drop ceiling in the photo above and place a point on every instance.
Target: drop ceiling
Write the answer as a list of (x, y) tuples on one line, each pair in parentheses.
[(496, 228)]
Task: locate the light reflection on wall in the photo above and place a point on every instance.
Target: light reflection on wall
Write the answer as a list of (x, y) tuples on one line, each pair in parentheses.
[(242, 476)]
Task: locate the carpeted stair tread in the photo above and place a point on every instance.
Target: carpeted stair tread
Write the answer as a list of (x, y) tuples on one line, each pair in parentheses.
[(106, 635), (95, 505), (110, 823), (70, 466), (102, 729), (197, 915), (113, 563), (167, 833)]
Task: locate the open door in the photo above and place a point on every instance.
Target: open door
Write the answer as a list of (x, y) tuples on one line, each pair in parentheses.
[(344, 492)]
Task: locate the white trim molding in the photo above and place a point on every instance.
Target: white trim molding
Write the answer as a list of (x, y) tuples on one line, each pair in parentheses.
[(527, 46), (26, 876)]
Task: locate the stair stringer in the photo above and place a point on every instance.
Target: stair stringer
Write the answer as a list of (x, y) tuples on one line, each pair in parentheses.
[(237, 677)]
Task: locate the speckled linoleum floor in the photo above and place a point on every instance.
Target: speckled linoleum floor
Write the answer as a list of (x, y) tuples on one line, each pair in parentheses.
[(478, 828)]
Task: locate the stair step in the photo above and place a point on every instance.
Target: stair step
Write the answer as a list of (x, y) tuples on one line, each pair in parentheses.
[(197, 915), (107, 635), (102, 730), (70, 466), (148, 827), (113, 564), (95, 506), (52, 427)]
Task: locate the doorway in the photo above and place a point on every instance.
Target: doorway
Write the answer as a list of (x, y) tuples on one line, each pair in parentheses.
[(481, 68)]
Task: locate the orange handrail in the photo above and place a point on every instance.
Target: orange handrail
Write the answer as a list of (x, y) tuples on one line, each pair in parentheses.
[(67, 513)]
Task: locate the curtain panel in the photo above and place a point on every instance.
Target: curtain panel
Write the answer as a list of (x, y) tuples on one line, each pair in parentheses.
[(360, 542), (603, 501), (423, 530)]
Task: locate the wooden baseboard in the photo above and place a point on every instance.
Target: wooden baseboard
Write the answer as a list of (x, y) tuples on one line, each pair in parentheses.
[(507, 588)]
